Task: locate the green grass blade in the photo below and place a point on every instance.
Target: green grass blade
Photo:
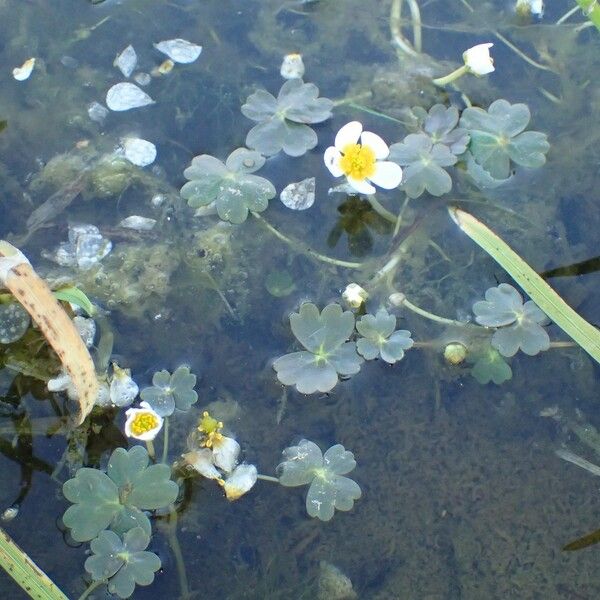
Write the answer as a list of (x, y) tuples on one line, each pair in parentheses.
[(591, 8), (575, 326), (25, 572), (75, 296)]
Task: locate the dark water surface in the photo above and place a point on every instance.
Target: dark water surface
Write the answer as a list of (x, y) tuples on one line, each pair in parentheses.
[(463, 495)]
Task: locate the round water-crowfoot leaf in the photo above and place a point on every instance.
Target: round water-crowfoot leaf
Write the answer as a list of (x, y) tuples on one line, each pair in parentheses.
[(496, 138), (124, 562), (300, 195), (282, 121), (344, 359), (440, 124), (328, 489), (279, 283), (502, 306), (307, 372), (299, 464), (179, 51), (95, 499), (324, 331), (169, 392), (526, 333), (481, 178), (380, 339), (14, 322), (230, 186), (423, 162), (124, 96), (489, 366)]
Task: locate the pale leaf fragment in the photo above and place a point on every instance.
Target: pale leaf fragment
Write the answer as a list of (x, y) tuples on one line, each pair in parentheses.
[(179, 51), (126, 61), (139, 152), (124, 96), (300, 195), (24, 71)]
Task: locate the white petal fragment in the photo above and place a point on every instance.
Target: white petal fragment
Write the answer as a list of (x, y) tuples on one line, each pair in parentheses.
[(362, 186), (202, 462), (373, 141), (24, 71), (332, 159), (388, 174), (126, 61), (139, 152), (240, 481), (124, 96), (225, 453), (179, 51), (300, 195), (348, 134)]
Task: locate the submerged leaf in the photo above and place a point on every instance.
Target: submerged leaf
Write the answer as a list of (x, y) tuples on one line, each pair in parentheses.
[(124, 96), (179, 51)]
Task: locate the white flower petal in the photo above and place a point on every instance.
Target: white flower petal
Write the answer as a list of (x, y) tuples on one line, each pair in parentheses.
[(202, 462), (332, 159), (240, 481), (348, 134), (139, 152), (362, 186), (225, 453), (133, 413), (478, 59), (354, 295), (24, 71), (123, 96), (126, 61), (373, 141), (388, 174), (179, 51)]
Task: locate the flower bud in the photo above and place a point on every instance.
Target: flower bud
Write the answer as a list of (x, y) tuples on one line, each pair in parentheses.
[(478, 60), (354, 295), (397, 299), (292, 66), (455, 353)]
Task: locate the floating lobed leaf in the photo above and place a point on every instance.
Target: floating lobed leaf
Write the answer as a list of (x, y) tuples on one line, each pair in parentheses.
[(125, 562), (497, 138), (502, 306), (423, 161), (526, 333), (380, 339), (489, 366), (323, 331), (169, 392), (304, 464), (282, 120), (230, 186), (441, 126)]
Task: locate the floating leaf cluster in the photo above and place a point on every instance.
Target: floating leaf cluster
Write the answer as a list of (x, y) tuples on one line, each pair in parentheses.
[(171, 391)]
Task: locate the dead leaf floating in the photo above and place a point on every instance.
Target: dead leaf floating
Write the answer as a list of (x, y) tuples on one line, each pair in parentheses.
[(24, 71), (124, 96), (126, 61), (32, 292), (179, 51)]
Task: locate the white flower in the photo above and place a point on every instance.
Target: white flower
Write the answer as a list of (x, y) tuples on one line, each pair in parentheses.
[(202, 462), (359, 155), (292, 66), (354, 295), (143, 423), (478, 60), (240, 481)]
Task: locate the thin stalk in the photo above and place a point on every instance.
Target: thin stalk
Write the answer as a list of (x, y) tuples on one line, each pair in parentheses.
[(381, 210), (375, 113), (267, 478), (400, 215), (396, 29), (522, 54), (352, 99), (91, 588), (165, 450), (150, 448), (177, 554), (303, 248), (451, 77), (568, 15), (433, 317)]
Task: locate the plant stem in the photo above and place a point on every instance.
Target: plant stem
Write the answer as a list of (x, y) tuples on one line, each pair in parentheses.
[(433, 317), (522, 54), (91, 588), (398, 219), (267, 478), (165, 450), (396, 27), (352, 99), (568, 15), (380, 209), (178, 555), (150, 448), (303, 248), (451, 77)]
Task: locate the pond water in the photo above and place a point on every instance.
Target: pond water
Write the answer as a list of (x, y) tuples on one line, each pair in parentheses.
[(463, 494)]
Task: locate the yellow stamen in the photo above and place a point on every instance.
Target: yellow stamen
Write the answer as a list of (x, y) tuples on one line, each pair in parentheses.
[(143, 423), (358, 161)]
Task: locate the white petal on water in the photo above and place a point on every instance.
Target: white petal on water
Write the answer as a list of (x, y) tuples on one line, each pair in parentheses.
[(139, 152), (300, 195), (179, 51), (142, 78), (138, 223), (126, 61), (24, 71), (124, 96), (97, 112)]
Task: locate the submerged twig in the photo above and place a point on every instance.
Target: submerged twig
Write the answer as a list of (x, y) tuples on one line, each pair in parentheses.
[(396, 27), (578, 460)]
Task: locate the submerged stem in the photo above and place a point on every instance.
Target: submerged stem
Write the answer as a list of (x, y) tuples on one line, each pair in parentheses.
[(303, 248), (91, 588), (177, 554), (396, 27), (380, 209), (165, 450), (451, 77), (267, 478)]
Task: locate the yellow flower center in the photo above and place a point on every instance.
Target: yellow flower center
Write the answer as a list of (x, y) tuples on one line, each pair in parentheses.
[(358, 161), (143, 423)]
